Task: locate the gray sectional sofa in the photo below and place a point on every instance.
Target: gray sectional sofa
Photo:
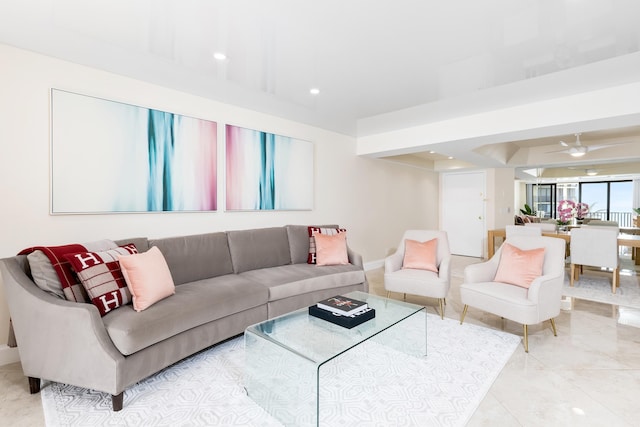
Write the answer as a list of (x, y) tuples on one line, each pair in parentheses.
[(225, 281)]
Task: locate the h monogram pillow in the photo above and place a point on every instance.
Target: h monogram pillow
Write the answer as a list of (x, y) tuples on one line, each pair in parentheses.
[(100, 275)]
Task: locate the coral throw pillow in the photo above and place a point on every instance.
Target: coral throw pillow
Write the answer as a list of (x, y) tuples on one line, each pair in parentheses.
[(148, 278), (421, 255), (331, 250), (100, 275), (519, 267), (311, 258)]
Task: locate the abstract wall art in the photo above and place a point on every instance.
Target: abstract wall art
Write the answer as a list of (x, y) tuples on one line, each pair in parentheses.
[(108, 157), (267, 172)]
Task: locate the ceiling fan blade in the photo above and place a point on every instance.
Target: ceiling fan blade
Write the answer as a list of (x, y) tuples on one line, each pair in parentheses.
[(600, 147), (564, 144), (557, 151)]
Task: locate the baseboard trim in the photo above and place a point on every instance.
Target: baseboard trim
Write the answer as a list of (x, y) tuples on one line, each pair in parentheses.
[(8, 355)]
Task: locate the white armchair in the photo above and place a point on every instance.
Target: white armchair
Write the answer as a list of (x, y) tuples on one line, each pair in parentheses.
[(595, 247), (417, 281), (540, 302)]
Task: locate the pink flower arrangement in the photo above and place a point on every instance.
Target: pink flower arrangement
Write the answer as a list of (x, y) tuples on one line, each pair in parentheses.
[(582, 209), (568, 209)]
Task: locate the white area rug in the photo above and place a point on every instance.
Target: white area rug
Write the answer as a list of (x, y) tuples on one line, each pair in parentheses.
[(385, 387), (596, 286)]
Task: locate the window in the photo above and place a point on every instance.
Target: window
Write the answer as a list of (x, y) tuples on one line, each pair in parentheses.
[(541, 198), (595, 194), (607, 200)]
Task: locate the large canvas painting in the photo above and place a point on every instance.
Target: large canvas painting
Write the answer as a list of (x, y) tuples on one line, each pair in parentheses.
[(267, 172), (108, 156)]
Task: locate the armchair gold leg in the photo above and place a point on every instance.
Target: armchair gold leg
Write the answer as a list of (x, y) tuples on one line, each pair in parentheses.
[(388, 293), (615, 280), (464, 313), (553, 326), (404, 297), (526, 339), (441, 301)]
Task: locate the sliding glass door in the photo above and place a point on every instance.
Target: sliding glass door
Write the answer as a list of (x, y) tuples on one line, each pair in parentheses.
[(607, 200)]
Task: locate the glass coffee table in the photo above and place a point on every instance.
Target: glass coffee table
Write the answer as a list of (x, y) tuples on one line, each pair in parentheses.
[(284, 355)]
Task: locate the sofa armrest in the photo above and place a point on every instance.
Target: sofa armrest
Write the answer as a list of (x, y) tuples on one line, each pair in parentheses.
[(444, 269), (354, 257), (59, 340), (546, 292), (393, 262), (482, 272)]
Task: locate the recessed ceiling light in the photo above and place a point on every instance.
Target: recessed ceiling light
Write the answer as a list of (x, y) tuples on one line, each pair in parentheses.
[(432, 152), (314, 91), (450, 157), (219, 56)]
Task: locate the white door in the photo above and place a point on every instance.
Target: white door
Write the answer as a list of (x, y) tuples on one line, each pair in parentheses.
[(463, 211)]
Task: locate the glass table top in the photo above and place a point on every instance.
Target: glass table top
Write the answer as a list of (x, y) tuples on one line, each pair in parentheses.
[(318, 340)]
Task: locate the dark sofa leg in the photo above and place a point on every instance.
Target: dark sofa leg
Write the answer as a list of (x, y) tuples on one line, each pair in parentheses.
[(116, 401), (34, 385)]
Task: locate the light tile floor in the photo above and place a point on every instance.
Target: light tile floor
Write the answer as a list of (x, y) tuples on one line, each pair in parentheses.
[(589, 375)]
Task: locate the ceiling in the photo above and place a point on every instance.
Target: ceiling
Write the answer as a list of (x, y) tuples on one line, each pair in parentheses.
[(367, 58)]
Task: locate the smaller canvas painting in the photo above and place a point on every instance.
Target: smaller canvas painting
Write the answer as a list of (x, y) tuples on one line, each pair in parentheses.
[(267, 171)]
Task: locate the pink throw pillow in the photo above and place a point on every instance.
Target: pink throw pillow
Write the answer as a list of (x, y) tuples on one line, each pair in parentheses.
[(311, 258), (421, 255), (331, 250), (148, 277), (519, 267)]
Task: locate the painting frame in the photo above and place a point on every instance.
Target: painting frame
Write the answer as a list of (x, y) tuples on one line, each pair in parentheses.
[(111, 157), (267, 172)]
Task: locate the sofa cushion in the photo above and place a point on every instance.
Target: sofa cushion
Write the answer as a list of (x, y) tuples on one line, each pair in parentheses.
[(421, 255), (299, 241), (291, 280), (259, 248), (142, 243), (148, 278), (102, 277), (519, 267), (312, 231), (69, 286), (331, 250), (197, 257), (193, 304)]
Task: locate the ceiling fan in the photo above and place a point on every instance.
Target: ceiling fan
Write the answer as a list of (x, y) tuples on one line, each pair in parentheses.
[(576, 149), (589, 171)]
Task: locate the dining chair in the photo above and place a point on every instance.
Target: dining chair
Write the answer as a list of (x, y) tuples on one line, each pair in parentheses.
[(518, 283), (414, 270), (599, 222), (594, 246), (518, 230), (543, 226)]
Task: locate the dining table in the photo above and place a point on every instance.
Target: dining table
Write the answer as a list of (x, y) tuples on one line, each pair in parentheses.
[(628, 237)]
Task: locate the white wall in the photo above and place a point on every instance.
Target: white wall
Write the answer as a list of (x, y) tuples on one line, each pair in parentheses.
[(500, 197), (375, 200)]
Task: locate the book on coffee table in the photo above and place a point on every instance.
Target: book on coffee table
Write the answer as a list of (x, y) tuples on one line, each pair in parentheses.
[(342, 305), (344, 321)]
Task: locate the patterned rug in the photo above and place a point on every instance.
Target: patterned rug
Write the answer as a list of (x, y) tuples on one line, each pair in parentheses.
[(596, 286), (385, 387)]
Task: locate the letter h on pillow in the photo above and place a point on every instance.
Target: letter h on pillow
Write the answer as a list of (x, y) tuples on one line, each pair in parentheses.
[(100, 275)]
